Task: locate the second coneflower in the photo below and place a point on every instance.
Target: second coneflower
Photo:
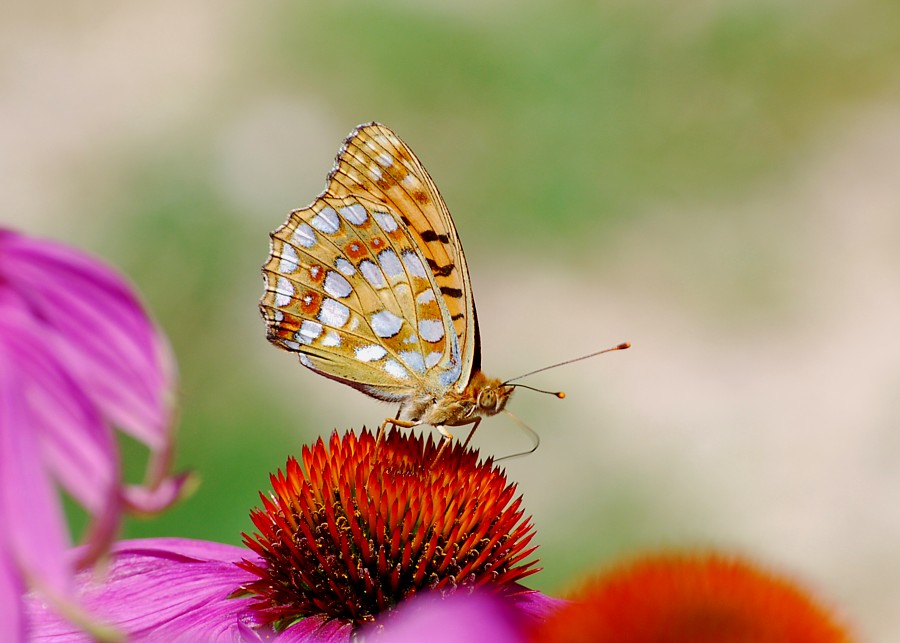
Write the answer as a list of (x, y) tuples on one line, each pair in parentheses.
[(698, 598), (347, 534)]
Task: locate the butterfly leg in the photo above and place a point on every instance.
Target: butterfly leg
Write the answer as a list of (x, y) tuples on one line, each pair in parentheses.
[(475, 424), (448, 438), (395, 421)]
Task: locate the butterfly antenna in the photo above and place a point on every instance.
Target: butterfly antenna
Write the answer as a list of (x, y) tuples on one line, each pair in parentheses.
[(620, 347), (535, 438), (559, 394)]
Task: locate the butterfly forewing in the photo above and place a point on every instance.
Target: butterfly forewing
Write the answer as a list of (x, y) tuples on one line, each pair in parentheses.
[(374, 160), (369, 283)]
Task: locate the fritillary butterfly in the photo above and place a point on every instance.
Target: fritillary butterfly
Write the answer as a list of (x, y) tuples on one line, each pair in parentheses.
[(369, 285)]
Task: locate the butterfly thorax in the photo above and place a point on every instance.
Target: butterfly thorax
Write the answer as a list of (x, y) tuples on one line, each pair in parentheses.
[(481, 396)]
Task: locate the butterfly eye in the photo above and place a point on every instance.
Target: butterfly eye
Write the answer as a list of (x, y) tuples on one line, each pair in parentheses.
[(487, 399)]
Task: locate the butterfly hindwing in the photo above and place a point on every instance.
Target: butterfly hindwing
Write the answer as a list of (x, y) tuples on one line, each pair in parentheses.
[(369, 283)]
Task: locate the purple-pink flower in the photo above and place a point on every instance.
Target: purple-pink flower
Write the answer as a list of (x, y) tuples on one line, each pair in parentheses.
[(380, 538), (78, 358), (170, 589)]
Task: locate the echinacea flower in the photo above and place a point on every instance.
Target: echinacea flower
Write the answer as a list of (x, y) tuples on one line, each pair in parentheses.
[(78, 356), (343, 542), (706, 598)]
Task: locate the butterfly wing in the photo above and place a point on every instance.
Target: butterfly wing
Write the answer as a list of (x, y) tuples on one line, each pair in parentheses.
[(374, 159), (364, 283)]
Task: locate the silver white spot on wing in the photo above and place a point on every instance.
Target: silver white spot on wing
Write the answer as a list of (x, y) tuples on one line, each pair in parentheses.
[(304, 235), (385, 221), (291, 345), (331, 339), (432, 358), (370, 353), (395, 368), (306, 361), (284, 291), (414, 360), (289, 260), (372, 273), (336, 285), (414, 265), (431, 330), (326, 221), (410, 181), (384, 160), (390, 263), (309, 330), (425, 296), (277, 316), (451, 375), (375, 171), (344, 266), (355, 213), (333, 313), (386, 324)]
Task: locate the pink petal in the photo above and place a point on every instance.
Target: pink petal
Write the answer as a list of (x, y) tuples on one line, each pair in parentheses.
[(533, 606), (143, 500), (460, 618), (74, 440), (316, 629), (33, 524), (12, 625), (159, 590), (101, 331)]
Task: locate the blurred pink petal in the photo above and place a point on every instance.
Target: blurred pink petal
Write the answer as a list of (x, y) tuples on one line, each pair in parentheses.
[(75, 441), (101, 331), (143, 500), (78, 358), (12, 622), (460, 618)]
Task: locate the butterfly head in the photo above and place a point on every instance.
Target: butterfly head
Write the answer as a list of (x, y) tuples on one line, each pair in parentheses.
[(493, 399), (490, 395)]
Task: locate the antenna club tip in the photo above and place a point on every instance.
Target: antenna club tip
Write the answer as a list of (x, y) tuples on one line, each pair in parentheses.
[(561, 395), (623, 346)]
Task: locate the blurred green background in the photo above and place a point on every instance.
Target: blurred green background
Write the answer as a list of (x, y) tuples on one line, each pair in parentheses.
[(716, 182)]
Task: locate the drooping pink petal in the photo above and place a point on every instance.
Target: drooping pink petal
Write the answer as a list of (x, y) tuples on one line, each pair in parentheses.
[(144, 500), (78, 358), (75, 440), (74, 444), (100, 329), (35, 534), (162, 589), (12, 623)]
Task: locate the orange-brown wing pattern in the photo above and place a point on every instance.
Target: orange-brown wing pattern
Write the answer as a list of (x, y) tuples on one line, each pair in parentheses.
[(364, 283), (375, 160)]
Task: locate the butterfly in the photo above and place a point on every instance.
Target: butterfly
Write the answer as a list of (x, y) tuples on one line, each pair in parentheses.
[(369, 285)]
